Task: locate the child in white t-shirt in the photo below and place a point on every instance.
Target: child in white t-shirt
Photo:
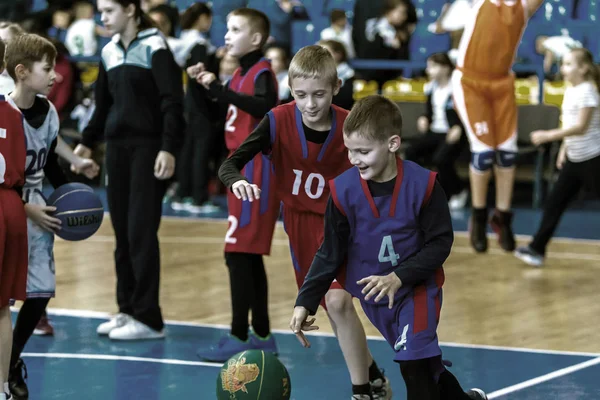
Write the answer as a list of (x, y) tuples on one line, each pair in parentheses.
[(579, 155)]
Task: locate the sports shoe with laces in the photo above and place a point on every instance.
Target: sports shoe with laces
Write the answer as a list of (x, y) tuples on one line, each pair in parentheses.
[(16, 381)]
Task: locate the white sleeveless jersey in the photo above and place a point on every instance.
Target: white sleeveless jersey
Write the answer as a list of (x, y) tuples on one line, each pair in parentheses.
[(39, 142)]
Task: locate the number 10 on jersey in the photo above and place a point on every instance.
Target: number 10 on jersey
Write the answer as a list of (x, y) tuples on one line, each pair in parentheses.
[(308, 184)]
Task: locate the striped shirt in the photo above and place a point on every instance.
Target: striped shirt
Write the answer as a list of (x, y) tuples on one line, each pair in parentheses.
[(587, 146)]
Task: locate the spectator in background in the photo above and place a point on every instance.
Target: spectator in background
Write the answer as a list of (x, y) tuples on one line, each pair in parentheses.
[(280, 14), (82, 35), (442, 136), (388, 36), (168, 8), (193, 171), (194, 41), (61, 20), (340, 31), (279, 63), (365, 10), (345, 97), (7, 32), (554, 48), (62, 94)]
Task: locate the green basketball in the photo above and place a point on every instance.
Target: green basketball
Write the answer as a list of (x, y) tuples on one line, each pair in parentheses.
[(253, 375)]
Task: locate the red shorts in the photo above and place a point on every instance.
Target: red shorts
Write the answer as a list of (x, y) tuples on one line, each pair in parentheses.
[(251, 224), (305, 231), (13, 247)]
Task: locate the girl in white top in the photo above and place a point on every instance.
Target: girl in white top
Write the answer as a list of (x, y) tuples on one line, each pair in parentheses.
[(579, 156)]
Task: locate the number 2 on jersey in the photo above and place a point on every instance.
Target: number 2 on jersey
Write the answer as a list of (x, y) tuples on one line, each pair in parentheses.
[(308, 184), (233, 224), (232, 113), (388, 246)]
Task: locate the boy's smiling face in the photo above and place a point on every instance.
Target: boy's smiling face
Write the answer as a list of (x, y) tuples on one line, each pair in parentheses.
[(313, 98)]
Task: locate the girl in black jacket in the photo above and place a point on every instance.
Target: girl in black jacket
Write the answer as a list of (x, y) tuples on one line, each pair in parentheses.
[(139, 112)]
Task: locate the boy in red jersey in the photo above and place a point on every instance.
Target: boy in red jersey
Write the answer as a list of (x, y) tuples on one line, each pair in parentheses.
[(305, 141), (249, 95), (13, 225)]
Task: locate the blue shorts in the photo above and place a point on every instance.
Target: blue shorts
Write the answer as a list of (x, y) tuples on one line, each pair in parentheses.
[(410, 327)]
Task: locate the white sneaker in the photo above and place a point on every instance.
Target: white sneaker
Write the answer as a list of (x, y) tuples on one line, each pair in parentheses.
[(4, 396), (458, 201), (135, 330), (117, 321)]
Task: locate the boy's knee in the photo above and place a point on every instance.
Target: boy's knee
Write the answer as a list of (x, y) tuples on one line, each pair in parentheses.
[(338, 302)]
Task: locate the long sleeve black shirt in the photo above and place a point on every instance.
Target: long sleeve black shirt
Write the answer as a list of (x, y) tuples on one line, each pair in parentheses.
[(258, 141), (139, 94), (265, 90), (434, 221)]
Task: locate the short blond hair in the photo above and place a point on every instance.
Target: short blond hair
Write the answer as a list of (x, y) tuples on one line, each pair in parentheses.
[(27, 49), (374, 118), (313, 62)]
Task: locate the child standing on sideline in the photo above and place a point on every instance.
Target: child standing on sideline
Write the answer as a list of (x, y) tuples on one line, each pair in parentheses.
[(442, 138), (304, 140), (579, 155), (248, 96), (139, 112), (388, 232), (13, 225)]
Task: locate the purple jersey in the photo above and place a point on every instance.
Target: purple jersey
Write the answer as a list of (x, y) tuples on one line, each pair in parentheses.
[(385, 232)]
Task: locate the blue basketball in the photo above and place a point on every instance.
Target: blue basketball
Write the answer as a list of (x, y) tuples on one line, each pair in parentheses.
[(79, 209)]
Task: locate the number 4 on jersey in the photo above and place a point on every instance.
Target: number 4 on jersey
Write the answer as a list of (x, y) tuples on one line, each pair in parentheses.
[(387, 246)]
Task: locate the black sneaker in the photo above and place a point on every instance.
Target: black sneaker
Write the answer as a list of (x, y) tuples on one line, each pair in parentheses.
[(477, 394), (478, 232), (501, 223), (16, 381)]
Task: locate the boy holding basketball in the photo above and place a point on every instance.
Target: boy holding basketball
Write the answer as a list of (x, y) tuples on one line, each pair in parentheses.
[(13, 225), (388, 232), (30, 62), (305, 141), (248, 96)]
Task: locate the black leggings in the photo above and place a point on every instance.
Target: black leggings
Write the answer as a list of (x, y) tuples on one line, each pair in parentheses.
[(571, 179), (29, 316), (428, 379), (249, 291), (432, 147)]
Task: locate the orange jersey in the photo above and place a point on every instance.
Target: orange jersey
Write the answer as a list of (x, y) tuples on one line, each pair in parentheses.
[(492, 34)]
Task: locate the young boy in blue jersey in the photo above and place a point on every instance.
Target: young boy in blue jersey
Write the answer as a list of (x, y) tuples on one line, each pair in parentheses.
[(389, 219)]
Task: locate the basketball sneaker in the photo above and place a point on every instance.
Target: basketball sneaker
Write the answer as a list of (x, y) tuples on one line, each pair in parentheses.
[(43, 328), (5, 396), (135, 330), (16, 380), (501, 223), (117, 321), (267, 344), (382, 389), (228, 346), (478, 230), (529, 256), (362, 397), (477, 394)]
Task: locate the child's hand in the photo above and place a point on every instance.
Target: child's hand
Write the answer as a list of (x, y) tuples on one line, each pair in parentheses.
[(85, 166), (561, 158), (540, 137), (423, 124), (244, 190), (386, 285), (164, 166), (205, 78), (194, 70), (38, 214), (299, 324), (454, 134)]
